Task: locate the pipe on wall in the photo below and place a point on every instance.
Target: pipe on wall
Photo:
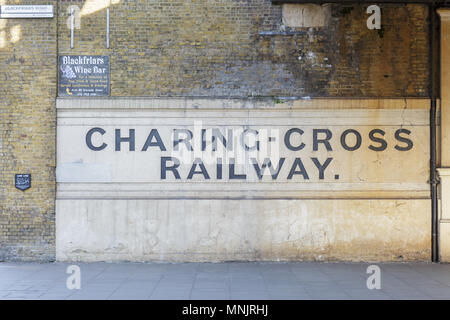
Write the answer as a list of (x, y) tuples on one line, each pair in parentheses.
[(433, 96)]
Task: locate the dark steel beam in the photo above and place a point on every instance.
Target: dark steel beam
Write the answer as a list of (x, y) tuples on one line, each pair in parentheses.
[(435, 2)]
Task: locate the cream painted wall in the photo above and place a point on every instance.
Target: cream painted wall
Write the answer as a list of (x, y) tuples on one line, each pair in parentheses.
[(369, 205)]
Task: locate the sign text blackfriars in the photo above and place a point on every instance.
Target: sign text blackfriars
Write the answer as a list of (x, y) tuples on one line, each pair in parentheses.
[(85, 76), (228, 153)]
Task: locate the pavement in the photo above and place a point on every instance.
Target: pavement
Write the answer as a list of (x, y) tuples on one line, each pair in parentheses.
[(223, 281)]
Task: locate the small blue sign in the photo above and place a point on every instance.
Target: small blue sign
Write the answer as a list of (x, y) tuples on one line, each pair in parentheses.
[(23, 181)]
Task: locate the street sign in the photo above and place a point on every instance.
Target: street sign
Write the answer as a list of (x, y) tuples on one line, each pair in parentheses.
[(26, 11), (83, 76)]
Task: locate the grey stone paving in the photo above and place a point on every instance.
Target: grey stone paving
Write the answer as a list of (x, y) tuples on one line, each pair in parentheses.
[(237, 281)]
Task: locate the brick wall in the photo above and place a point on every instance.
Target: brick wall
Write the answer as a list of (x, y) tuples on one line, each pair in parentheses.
[(27, 143), (239, 48)]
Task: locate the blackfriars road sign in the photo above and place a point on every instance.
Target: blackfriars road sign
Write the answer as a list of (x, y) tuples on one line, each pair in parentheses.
[(24, 11)]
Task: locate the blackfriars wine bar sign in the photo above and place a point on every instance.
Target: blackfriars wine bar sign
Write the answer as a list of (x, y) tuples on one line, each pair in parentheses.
[(83, 76)]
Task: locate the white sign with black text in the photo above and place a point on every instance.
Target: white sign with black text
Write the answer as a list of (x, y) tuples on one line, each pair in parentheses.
[(26, 11)]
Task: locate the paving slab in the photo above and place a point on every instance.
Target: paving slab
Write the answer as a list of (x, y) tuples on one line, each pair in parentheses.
[(233, 280)]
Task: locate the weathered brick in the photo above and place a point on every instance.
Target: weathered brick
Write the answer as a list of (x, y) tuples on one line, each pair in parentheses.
[(28, 120)]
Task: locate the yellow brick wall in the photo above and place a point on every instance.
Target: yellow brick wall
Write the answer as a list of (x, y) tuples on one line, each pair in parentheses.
[(27, 143), (238, 48)]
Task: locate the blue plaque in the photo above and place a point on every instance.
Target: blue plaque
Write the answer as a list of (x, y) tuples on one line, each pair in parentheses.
[(23, 181)]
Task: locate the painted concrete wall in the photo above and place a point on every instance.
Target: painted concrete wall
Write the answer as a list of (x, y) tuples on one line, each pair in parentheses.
[(365, 203)]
